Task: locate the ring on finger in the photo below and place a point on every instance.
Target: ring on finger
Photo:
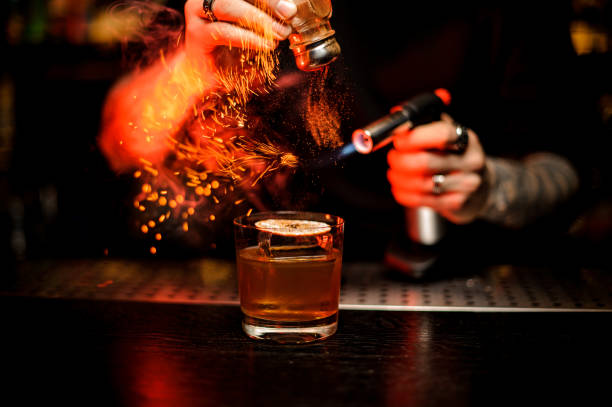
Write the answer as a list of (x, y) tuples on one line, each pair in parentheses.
[(438, 183), (459, 145), (207, 7)]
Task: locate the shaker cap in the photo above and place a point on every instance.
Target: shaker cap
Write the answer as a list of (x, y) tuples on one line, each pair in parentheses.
[(317, 55)]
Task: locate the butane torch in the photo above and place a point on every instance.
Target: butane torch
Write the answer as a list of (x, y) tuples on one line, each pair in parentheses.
[(424, 225)]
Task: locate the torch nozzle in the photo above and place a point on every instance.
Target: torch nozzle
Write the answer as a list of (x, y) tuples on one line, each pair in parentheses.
[(362, 141)]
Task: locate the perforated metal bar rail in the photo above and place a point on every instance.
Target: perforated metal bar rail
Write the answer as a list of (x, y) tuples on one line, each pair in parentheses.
[(364, 286)]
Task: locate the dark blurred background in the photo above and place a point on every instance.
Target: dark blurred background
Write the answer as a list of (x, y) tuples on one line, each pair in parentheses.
[(58, 198)]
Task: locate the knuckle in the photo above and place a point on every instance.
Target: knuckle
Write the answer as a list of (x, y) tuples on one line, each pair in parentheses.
[(223, 9), (422, 161), (455, 202), (472, 182), (450, 132), (426, 184), (474, 161), (445, 117), (391, 158), (403, 198), (461, 200), (396, 194), (400, 139), (219, 6), (411, 183)]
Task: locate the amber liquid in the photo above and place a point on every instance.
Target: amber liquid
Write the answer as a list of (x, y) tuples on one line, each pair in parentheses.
[(286, 289)]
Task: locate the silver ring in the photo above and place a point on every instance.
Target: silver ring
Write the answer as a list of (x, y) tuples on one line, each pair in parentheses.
[(461, 143), (438, 181), (207, 5)]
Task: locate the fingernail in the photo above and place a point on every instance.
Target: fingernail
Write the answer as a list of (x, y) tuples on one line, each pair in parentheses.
[(286, 9), (282, 31)]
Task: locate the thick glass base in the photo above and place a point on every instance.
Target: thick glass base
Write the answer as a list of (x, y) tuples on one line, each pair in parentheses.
[(290, 332)]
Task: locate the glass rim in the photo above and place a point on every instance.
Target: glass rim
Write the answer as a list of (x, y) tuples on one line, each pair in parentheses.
[(239, 220)]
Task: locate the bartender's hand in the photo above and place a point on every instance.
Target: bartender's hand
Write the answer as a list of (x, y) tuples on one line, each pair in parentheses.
[(239, 24), (423, 152)]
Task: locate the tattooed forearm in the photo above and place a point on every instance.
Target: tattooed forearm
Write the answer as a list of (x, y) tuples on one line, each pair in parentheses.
[(522, 191)]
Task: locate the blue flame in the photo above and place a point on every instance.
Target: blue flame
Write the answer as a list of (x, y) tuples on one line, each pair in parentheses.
[(346, 151)]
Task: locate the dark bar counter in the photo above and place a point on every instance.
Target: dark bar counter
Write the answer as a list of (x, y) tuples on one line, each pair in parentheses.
[(77, 345)]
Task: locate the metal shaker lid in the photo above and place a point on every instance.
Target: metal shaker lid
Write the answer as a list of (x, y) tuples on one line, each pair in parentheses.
[(317, 55)]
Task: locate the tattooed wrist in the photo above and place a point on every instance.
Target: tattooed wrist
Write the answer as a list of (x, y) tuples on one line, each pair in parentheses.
[(519, 192)]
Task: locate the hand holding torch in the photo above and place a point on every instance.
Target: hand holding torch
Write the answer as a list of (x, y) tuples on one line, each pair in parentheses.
[(424, 225)]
